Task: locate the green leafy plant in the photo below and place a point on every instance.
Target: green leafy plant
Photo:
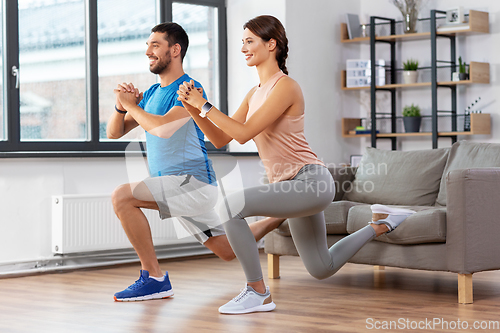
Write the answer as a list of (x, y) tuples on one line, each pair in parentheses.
[(461, 66), (410, 65), (411, 111)]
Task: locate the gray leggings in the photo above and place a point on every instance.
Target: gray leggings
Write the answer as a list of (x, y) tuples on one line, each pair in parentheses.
[(301, 199)]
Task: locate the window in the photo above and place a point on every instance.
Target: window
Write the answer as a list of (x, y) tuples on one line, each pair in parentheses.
[(123, 31), (52, 61), (71, 54), (2, 113), (200, 23)]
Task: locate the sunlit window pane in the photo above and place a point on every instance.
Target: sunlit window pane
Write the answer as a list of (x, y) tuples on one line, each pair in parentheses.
[(123, 31), (201, 60), (52, 70)]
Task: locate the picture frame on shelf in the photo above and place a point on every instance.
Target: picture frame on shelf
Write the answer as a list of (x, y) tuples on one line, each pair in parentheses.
[(455, 20), (455, 15), (353, 26)]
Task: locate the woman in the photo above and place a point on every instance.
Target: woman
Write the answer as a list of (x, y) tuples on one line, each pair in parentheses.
[(301, 187)]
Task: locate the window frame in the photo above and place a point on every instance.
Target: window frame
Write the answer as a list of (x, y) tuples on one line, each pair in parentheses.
[(93, 147)]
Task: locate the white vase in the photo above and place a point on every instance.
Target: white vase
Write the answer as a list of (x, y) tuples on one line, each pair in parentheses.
[(410, 77)]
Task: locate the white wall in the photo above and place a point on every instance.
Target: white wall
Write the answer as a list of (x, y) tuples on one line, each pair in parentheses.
[(241, 77), (316, 59), (25, 198)]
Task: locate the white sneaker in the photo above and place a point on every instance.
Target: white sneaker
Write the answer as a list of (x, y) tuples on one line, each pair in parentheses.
[(249, 301), (396, 215)]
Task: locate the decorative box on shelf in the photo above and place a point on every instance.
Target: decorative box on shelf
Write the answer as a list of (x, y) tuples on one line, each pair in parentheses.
[(358, 73)]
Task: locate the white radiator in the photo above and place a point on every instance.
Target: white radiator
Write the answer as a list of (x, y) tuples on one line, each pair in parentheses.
[(84, 223)]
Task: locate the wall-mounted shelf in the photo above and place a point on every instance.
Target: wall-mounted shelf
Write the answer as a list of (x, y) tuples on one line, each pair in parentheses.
[(479, 72), (480, 123), (478, 23)]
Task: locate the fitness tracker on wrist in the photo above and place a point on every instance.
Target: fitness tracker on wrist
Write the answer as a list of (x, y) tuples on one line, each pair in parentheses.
[(120, 111), (205, 109)]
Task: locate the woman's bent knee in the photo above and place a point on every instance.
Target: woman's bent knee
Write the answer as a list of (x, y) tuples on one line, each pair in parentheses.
[(320, 273), (232, 206)]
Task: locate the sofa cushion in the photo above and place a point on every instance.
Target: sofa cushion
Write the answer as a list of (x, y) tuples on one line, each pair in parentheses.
[(428, 225), (335, 218), (408, 178), (343, 177), (464, 155)]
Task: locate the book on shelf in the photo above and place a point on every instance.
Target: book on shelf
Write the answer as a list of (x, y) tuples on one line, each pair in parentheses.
[(453, 27), (361, 132)]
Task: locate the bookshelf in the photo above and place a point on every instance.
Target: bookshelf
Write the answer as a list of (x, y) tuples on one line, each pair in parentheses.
[(479, 73)]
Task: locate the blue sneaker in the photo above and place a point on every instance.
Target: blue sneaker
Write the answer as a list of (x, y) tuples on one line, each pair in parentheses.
[(146, 288)]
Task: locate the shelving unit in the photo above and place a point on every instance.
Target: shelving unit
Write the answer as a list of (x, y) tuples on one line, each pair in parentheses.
[(478, 74)]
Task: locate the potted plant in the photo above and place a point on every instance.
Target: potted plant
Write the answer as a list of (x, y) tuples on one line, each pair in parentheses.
[(462, 73), (462, 70), (410, 74), (412, 118)]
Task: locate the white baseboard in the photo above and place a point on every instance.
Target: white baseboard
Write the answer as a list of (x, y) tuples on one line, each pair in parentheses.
[(61, 263)]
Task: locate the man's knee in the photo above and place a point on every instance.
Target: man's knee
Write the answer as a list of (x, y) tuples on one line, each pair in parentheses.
[(220, 247), (120, 197), (226, 255)]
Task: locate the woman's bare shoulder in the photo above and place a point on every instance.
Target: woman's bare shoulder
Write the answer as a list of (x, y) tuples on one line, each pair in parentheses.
[(289, 84), (251, 92)]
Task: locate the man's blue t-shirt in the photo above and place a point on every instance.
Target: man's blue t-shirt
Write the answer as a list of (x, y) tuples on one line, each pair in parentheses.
[(184, 153)]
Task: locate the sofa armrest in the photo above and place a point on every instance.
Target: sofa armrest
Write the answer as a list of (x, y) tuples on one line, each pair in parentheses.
[(473, 220), (343, 177)]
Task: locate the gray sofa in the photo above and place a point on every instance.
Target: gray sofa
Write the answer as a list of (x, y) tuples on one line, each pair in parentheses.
[(455, 191)]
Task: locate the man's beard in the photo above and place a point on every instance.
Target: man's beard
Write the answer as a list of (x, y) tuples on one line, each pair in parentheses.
[(159, 67)]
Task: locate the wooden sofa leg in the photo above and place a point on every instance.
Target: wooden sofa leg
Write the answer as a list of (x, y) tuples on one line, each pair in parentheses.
[(273, 266), (378, 275), (465, 288)]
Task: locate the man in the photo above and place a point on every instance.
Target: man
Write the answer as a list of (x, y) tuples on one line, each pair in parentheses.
[(182, 182)]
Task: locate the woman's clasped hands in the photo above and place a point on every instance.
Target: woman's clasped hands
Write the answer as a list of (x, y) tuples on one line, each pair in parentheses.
[(189, 94)]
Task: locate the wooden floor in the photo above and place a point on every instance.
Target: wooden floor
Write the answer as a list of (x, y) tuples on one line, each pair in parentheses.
[(82, 301)]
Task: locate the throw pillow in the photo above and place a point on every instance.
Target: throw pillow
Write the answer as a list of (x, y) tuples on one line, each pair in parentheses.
[(409, 178)]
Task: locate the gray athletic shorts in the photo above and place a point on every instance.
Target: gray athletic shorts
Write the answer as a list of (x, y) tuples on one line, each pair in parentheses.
[(189, 200)]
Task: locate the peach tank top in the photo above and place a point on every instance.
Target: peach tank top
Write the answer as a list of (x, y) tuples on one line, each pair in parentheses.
[(282, 146)]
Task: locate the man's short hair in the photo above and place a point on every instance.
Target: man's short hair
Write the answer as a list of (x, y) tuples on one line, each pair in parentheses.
[(174, 34)]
